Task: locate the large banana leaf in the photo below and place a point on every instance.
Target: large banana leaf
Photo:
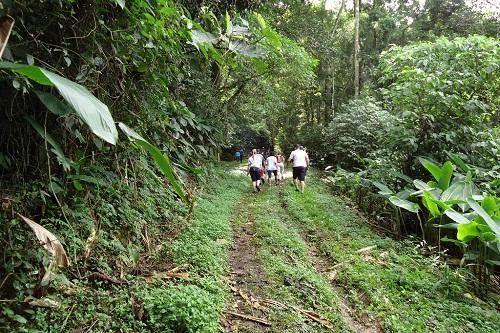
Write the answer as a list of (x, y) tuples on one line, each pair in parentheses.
[(432, 168), (461, 190), (90, 109), (493, 224), (405, 204)]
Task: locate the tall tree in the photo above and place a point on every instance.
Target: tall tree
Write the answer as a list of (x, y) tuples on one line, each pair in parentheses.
[(356, 48)]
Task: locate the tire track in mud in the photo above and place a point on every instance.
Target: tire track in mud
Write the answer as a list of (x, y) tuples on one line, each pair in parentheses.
[(325, 267), (246, 275)]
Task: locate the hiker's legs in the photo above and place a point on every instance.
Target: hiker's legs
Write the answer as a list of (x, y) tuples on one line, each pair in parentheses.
[(302, 179), (254, 172), (296, 175)]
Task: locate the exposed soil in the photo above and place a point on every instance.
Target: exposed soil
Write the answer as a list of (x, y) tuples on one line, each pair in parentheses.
[(246, 278)]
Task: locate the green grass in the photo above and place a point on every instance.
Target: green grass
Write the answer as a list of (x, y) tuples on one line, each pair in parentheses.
[(204, 247), (293, 279), (393, 281)]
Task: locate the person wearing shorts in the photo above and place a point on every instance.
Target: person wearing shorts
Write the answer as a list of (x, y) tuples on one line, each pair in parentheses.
[(300, 162), (272, 168), (281, 166), (255, 163)]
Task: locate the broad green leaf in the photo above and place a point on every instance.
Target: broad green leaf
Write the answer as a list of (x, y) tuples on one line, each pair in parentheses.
[(445, 177), (384, 190), (53, 104), (401, 176), (404, 194), (430, 204), (432, 168), (494, 225), (77, 185), (248, 50), (31, 72), (467, 231), (261, 21), (229, 24), (456, 216), (458, 162), (65, 162), (240, 31), (454, 241), (487, 236), (405, 204), (161, 159), (92, 111), (120, 3), (198, 37), (421, 185), (489, 204), (461, 190)]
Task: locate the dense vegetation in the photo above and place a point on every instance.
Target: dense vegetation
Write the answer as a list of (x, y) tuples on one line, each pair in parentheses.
[(114, 111)]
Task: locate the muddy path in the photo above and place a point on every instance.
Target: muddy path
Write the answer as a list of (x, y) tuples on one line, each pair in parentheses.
[(246, 277)]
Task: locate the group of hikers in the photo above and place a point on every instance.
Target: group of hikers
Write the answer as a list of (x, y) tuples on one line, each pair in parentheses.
[(273, 163)]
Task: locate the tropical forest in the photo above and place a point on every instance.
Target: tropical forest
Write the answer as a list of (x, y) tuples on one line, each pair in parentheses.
[(291, 166)]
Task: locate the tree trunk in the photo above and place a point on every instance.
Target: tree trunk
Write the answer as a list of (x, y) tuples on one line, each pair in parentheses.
[(333, 91), (356, 48)]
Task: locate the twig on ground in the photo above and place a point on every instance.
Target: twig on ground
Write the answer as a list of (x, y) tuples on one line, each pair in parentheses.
[(178, 268), (67, 317), (366, 249), (251, 318), (309, 314)]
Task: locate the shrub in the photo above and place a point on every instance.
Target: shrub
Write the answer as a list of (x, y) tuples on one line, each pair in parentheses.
[(181, 309)]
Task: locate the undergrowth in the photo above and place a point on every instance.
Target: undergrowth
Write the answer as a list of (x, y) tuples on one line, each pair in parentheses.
[(141, 231), (388, 279)]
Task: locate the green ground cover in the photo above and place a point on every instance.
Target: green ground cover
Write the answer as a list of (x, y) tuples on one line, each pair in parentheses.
[(392, 281)]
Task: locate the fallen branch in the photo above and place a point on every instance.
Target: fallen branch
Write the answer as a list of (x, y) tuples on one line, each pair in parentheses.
[(179, 268), (366, 249), (309, 314), (251, 318), (253, 302)]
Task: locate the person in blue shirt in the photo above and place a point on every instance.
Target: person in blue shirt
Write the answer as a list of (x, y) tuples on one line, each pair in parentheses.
[(241, 156)]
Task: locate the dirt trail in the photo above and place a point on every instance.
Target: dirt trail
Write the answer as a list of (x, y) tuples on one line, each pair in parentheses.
[(246, 277)]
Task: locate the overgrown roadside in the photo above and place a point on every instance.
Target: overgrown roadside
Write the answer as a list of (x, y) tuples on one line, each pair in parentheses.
[(187, 298), (383, 278)]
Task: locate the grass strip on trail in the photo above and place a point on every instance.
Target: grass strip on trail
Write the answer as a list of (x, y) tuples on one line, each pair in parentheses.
[(387, 279), (292, 279)]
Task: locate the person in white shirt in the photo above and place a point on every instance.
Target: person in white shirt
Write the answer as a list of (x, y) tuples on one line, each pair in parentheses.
[(272, 168), (255, 163), (300, 165)]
